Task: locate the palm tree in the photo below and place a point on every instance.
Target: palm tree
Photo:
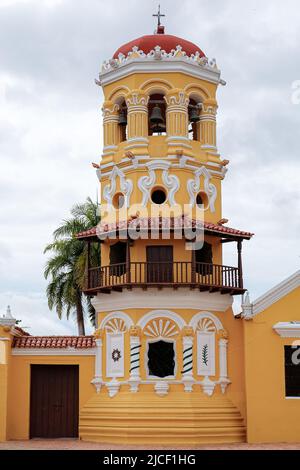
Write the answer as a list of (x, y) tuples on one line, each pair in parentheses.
[(66, 267)]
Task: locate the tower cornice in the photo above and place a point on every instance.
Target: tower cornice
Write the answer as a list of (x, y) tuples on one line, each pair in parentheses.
[(158, 61)]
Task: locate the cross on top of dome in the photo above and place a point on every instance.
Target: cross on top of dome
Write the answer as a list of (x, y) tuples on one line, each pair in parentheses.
[(159, 15)]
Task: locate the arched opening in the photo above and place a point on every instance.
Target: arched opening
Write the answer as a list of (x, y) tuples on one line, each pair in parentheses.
[(202, 200), (156, 115), (204, 259), (117, 259), (123, 121), (118, 200), (158, 196), (161, 359), (194, 109)]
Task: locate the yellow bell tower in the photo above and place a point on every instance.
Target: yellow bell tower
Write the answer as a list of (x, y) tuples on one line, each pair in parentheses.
[(169, 358)]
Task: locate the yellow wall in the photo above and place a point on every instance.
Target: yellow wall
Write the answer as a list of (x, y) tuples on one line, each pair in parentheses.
[(4, 367), (270, 416), (3, 402), (19, 388)]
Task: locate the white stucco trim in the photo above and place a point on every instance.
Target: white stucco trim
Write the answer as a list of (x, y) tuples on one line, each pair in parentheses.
[(152, 298), (140, 162), (153, 66), (115, 342), (201, 315), (155, 377), (115, 315), (287, 329), (161, 313), (276, 293), (52, 352)]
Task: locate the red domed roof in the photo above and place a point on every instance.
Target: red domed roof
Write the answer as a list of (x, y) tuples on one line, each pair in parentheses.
[(166, 41)]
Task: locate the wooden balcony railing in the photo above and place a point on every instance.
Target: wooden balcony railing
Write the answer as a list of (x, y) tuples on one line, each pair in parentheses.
[(204, 276)]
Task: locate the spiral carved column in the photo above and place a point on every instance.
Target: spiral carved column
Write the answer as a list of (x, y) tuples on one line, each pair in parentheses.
[(187, 370), (135, 347)]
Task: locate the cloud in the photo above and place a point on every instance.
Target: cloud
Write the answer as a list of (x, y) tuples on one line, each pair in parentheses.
[(50, 126)]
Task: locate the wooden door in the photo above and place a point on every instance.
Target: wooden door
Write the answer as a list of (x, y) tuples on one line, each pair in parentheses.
[(54, 401), (159, 264)]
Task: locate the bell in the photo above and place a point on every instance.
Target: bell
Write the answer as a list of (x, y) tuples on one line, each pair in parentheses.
[(156, 116), (158, 127), (194, 114), (122, 118)]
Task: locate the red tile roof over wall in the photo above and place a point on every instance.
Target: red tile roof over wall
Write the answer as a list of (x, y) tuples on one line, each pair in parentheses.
[(59, 342), (163, 222), (20, 331)]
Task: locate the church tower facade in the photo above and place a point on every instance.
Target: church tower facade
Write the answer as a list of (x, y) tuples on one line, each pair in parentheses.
[(169, 360)]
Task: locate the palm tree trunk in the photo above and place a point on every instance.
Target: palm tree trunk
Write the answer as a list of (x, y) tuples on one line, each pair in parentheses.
[(79, 312)]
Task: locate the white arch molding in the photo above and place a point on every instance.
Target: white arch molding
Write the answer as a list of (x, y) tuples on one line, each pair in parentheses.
[(161, 313), (117, 316), (202, 315)]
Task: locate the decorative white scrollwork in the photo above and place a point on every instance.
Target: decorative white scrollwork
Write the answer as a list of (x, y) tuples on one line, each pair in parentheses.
[(194, 186), (137, 99), (159, 54), (146, 183), (126, 186), (173, 184)]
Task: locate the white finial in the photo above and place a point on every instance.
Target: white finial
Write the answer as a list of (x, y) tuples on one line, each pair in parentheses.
[(247, 307), (8, 312), (7, 319)]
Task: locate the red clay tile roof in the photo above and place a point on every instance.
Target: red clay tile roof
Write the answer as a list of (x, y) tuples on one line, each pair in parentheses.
[(163, 222), (21, 331), (166, 41), (59, 342)]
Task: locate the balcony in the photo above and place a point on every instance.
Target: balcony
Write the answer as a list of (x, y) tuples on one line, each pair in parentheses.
[(202, 276)]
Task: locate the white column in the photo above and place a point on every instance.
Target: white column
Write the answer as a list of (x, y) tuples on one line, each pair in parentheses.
[(187, 370), (135, 347), (224, 381), (97, 380)]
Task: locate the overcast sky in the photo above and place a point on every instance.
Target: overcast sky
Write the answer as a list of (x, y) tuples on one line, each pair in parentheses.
[(50, 127)]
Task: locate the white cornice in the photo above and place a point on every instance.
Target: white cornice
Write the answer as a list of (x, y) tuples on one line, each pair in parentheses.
[(153, 66), (53, 352), (288, 329), (154, 299), (276, 293), (141, 163)]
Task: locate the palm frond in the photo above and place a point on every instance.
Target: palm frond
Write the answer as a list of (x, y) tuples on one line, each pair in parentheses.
[(65, 269)]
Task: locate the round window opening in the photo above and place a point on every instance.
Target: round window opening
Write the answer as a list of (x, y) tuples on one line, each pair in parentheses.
[(158, 196), (202, 200), (118, 201)]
